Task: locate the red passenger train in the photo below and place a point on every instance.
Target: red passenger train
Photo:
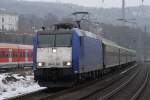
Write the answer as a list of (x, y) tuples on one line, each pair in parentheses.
[(15, 55)]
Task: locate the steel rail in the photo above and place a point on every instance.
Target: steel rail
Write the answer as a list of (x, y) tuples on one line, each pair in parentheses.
[(139, 91), (110, 94)]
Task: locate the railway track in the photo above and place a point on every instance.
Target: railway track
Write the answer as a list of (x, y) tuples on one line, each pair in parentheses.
[(139, 91), (79, 92), (85, 93), (115, 91), (144, 93), (127, 89), (123, 76), (130, 89)]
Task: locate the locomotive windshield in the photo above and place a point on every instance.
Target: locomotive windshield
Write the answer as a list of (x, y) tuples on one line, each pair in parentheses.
[(46, 41), (57, 40)]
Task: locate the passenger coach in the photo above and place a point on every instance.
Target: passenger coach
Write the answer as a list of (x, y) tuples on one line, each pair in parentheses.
[(15, 55), (63, 57)]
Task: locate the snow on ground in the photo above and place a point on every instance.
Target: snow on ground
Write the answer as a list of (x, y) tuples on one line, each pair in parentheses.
[(15, 84)]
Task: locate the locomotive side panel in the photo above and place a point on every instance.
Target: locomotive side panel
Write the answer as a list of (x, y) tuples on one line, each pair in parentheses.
[(76, 42), (91, 57)]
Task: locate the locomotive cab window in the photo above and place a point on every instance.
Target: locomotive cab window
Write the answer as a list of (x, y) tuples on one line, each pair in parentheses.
[(46, 40), (63, 40), (54, 40)]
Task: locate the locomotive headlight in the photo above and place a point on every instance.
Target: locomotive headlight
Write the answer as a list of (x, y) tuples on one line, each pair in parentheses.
[(40, 64), (67, 63), (54, 50)]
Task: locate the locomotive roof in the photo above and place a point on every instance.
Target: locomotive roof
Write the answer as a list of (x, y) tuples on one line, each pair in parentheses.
[(105, 41), (62, 31), (89, 34), (85, 33)]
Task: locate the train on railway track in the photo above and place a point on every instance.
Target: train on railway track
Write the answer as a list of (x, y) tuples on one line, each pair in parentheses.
[(15, 56), (63, 57)]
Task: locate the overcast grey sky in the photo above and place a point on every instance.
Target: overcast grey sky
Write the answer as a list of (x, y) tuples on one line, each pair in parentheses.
[(98, 3)]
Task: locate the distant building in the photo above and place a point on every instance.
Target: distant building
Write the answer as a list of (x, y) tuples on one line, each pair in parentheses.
[(8, 21)]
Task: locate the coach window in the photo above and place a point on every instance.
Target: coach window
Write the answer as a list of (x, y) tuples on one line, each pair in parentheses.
[(7, 54), (3, 54), (10, 54), (30, 54), (2, 19), (20, 54), (26, 54), (23, 54), (0, 54), (15, 54)]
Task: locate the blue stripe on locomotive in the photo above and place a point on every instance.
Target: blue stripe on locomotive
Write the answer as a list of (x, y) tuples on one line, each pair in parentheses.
[(87, 52), (75, 51), (91, 53), (35, 46)]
